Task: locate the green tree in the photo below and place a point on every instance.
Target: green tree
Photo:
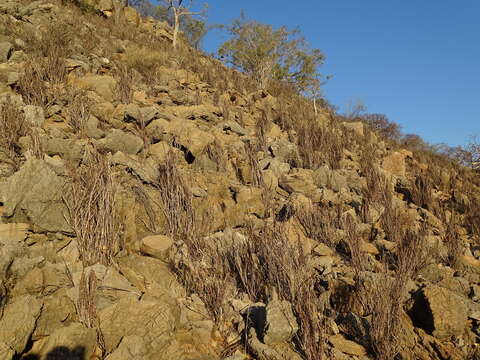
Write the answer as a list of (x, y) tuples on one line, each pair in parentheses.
[(268, 54), (193, 28), (179, 9)]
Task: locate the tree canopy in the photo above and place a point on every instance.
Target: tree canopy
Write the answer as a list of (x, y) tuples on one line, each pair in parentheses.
[(267, 53)]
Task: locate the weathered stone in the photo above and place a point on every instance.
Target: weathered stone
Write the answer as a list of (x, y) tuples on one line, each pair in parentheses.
[(395, 164), (146, 169), (324, 177), (18, 322), (347, 346), (37, 191), (56, 311), (74, 341), (34, 115), (103, 85), (151, 324), (440, 312), (118, 140), (299, 181), (157, 246), (281, 324), (5, 51)]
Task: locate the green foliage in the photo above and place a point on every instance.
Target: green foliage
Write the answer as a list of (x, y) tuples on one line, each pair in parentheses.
[(266, 53), (193, 29)]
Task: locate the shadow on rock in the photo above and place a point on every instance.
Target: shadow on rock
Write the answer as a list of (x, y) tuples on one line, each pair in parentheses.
[(60, 353)]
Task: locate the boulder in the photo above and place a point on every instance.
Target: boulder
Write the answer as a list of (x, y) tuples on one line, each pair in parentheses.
[(298, 181), (157, 246), (103, 85), (118, 140), (74, 341), (345, 346), (395, 164), (440, 312), (34, 115), (281, 324), (36, 191), (145, 327), (18, 322), (5, 51)]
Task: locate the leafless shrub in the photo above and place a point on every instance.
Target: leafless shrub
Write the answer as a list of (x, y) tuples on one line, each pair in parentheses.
[(124, 83), (381, 299), (215, 153), (261, 128), (79, 111), (92, 214), (320, 222), (176, 200), (12, 127), (358, 259), (87, 292), (256, 174), (451, 240), (31, 84), (86, 307), (382, 125), (320, 143), (270, 263)]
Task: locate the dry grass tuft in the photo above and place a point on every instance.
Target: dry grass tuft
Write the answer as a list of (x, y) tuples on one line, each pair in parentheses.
[(176, 200), (12, 127), (86, 308), (79, 111), (92, 214), (125, 80), (320, 222)]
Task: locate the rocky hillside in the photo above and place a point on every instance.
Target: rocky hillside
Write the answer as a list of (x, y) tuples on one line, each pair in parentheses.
[(155, 205)]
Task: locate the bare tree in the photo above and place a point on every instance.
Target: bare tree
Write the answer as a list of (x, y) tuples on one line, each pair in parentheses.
[(180, 8)]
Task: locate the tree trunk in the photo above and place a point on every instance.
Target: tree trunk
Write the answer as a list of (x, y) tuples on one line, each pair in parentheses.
[(175, 28)]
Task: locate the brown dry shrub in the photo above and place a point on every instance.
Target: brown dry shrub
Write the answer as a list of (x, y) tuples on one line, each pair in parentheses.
[(125, 83), (92, 211), (268, 263), (202, 271), (255, 173), (381, 300), (86, 305), (78, 110), (12, 127), (176, 199), (31, 84), (319, 222), (146, 61), (452, 240), (320, 143)]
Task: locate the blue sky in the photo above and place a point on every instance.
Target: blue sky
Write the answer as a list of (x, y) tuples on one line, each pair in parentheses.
[(418, 62)]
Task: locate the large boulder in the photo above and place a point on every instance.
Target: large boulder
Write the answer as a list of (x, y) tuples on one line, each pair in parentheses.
[(395, 164), (146, 330), (281, 324), (118, 140), (35, 191), (74, 341), (18, 322), (440, 312), (103, 85)]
